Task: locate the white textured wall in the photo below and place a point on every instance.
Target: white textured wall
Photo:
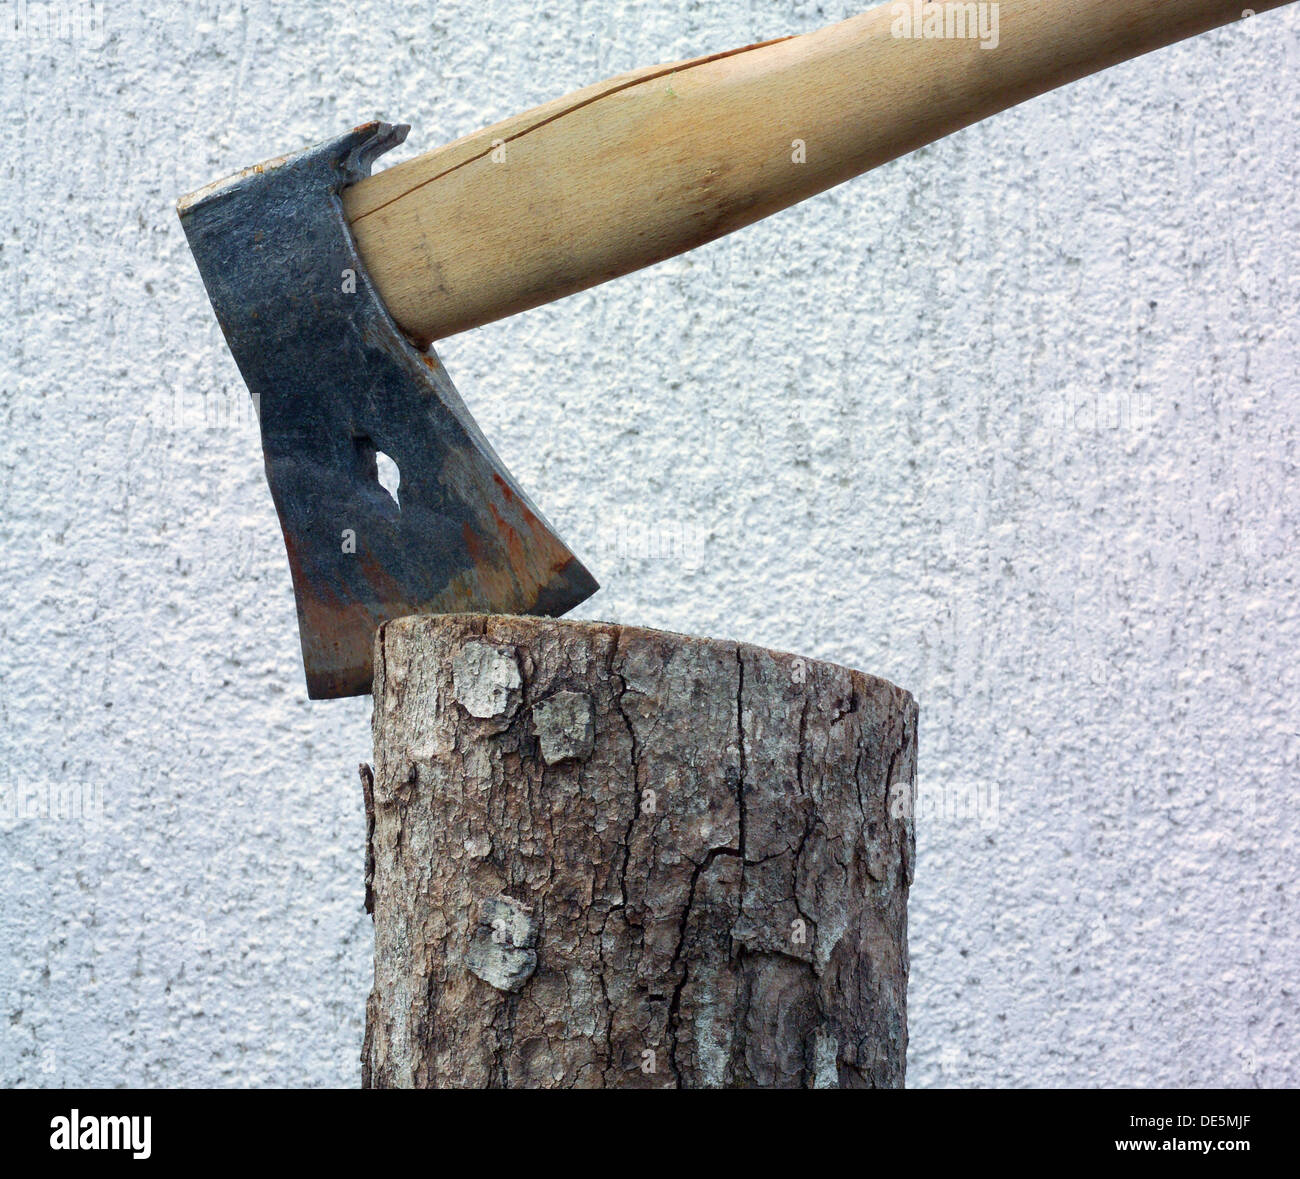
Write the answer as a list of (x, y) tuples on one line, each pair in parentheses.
[(1012, 422)]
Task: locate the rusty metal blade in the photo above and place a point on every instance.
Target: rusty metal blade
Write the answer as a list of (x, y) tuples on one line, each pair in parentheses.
[(336, 384)]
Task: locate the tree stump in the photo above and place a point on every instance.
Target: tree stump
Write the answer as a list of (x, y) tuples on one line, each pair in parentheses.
[(609, 857)]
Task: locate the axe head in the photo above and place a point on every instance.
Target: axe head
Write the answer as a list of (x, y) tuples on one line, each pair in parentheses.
[(336, 384)]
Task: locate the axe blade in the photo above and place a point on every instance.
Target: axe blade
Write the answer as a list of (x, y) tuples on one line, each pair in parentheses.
[(336, 384)]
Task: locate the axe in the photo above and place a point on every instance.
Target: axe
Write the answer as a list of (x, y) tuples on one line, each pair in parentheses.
[(331, 284)]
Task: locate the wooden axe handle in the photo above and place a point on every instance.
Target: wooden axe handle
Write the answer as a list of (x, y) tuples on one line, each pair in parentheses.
[(651, 163)]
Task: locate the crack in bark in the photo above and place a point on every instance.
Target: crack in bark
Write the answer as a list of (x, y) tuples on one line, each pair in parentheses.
[(674, 1005), (857, 783), (808, 819), (368, 800), (505, 1041), (619, 683), (635, 757), (740, 738), (809, 824), (904, 739)]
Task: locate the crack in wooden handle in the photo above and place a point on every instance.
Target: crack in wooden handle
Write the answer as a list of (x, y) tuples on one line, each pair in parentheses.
[(644, 166)]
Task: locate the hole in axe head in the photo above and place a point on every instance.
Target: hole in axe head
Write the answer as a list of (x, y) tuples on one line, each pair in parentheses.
[(373, 463), (390, 478)]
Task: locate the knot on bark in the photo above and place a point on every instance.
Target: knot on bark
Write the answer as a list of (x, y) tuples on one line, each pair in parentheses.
[(501, 949), (566, 727), (486, 682)]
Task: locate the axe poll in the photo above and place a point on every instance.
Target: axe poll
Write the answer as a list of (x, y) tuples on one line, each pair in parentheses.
[(330, 283)]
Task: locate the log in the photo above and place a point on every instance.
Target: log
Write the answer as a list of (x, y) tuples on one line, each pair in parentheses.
[(608, 857)]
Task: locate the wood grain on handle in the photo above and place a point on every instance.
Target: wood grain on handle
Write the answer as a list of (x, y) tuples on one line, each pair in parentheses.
[(646, 165)]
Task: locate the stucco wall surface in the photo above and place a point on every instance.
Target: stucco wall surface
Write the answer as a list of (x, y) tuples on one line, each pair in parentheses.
[(1011, 422)]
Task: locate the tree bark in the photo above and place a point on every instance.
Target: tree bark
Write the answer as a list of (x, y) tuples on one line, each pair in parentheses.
[(609, 857)]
